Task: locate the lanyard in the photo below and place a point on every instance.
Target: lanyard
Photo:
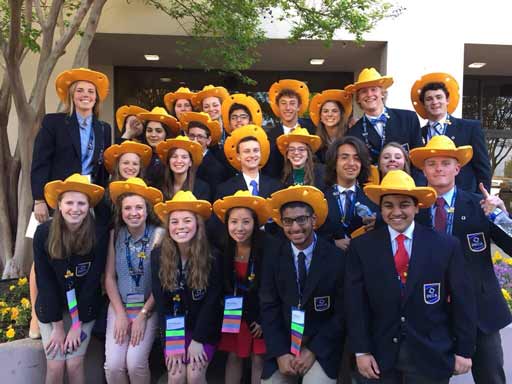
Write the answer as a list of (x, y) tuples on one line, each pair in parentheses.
[(250, 279), (344, 215), (177, 294), (136, 274), (451, 213), (372, 150), (297, 271)]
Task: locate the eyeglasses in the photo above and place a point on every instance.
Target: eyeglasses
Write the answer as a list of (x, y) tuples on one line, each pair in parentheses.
[(243, 116), (191, 136), (300, 220), (298, 150)]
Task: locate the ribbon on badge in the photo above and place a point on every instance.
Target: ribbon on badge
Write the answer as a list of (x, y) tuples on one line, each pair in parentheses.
[(297, 330), (175, 335), (232, 314), (73, 308), (134, 304)]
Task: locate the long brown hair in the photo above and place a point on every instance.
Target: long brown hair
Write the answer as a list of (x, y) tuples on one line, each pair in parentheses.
[(63, 243), (168, 185), (342, 125), (70, 105), (199, 261), (309, 168)]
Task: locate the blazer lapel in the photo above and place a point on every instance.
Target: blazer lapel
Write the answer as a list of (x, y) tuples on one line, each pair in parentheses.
[(288, 265), (98, 140), (418, 261), (74, 133), (451, 129)]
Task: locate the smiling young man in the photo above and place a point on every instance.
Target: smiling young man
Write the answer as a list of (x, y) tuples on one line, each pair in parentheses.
[(247, 150), (435, 96), (459, 213), (399, 323), (289, 99), (347, 169), (380, 125), (301, 294)]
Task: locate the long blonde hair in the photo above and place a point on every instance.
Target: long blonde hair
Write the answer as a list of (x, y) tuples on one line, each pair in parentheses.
[(63, 243), (199, 261), (70, 105)]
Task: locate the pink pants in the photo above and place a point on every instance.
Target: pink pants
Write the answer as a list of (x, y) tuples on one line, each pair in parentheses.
[(125, 363)]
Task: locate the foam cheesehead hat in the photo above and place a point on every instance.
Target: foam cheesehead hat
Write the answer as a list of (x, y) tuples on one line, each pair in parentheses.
[(183, 201), (137, 186), (341, 96), (440, 146), (209, 91), (74, 183), (66, 78), (213, 125), (243, 199), (231, 143), (397, 182), (297, 86), (436, 77), (370, 77), (181, 93), (127, 110), (114, 152), (300, 135), (161, 115), (301, 193), (247, 101), (183, 142)]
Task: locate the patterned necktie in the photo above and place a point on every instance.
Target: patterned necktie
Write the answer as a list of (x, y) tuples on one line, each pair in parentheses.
[(440, 215), (348, 205), (254, 186), (437, 129), (301, 266), (401, 258)]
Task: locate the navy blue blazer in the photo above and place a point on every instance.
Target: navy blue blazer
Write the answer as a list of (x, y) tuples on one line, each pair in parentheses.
[(475, 231), (469, 132), (322, 302), (57, 153), (266, 187), (212, 172), (274, 166), (332, 228), (379, 317), (402, 126)]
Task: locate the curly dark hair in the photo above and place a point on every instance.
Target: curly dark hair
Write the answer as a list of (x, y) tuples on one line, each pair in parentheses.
[(433, 87)]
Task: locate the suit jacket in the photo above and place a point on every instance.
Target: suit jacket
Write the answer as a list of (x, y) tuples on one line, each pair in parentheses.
[(212, 172), (469, 132), (275, 162), (469, 225), (322, 302), (266, 187), (332, 229), (402, 126), (51, 283), (57, 153), (202, 308), (381, 314)]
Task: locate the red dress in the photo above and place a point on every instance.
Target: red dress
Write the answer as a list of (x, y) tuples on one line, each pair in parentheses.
[(243, 344)]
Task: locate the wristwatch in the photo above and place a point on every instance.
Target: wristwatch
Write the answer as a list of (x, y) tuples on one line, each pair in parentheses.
[(145, 312)]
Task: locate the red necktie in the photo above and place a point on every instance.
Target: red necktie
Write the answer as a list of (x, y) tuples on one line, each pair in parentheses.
[(401, 258), (440, 215)]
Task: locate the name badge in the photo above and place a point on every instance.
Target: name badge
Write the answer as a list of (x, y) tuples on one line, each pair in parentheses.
[(297, 330), (174, 335), (82, 269), (476, 241), (431, 293), (322, 303), (232, 314), (134, 304), (198, 294)]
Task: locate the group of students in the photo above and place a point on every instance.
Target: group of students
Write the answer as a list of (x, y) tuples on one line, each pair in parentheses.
[(289, 247)]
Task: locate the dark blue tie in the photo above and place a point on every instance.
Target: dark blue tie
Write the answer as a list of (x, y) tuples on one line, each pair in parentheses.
[(301, 266), (254, 186), (382, 118)]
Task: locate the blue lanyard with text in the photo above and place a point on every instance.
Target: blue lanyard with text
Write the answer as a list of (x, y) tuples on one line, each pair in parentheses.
[(250, 279), (382, 138), (136, 275), (344, 215)]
